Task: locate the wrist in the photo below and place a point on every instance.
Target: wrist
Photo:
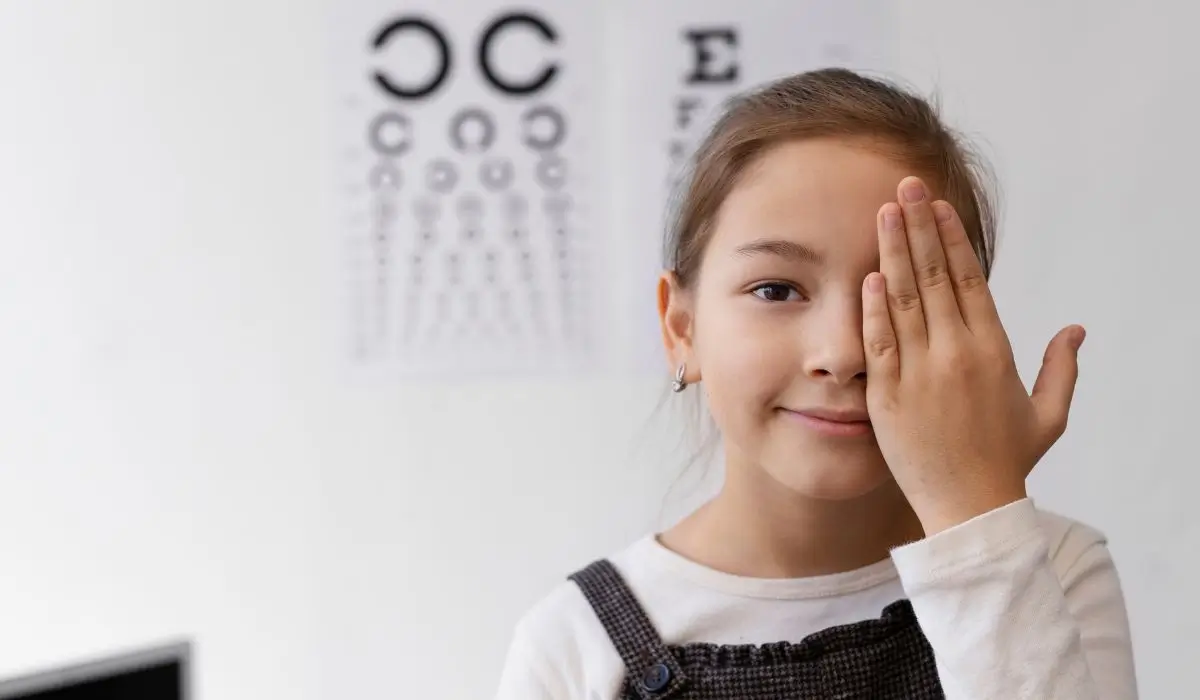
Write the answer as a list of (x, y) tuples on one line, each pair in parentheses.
[(947, 514)]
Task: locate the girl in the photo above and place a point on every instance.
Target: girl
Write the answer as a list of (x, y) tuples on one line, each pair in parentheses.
[(873, 537)]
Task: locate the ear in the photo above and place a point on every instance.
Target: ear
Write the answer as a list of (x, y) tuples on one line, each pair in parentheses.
[(676, 315)]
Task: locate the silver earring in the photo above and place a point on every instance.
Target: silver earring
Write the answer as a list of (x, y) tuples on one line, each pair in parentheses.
[(678, 384)]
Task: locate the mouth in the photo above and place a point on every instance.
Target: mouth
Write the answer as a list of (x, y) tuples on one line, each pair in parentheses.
[(832, 423)]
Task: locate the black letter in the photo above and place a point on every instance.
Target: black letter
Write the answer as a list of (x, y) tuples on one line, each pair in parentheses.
[(384, 175), (440, 176), (684, 107), (551, 171), (491, 33), (556, 136), (378, 139), (459, 139), (427, 211), (678, 151), (443, 48), (470, 207), (702, 71), (496, 174)]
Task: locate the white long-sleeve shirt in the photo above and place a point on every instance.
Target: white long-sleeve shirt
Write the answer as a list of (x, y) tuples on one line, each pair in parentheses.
[(1017, 604)]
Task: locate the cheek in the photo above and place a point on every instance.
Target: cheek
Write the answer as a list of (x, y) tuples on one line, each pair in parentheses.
[(746, 358)]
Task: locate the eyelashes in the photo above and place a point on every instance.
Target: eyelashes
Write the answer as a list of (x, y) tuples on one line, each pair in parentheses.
[(778, 292)]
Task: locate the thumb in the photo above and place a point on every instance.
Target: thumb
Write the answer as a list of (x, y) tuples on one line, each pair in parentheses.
[(1055, 384)]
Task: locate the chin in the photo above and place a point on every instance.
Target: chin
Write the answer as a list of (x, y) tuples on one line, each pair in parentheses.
[(830, 477)]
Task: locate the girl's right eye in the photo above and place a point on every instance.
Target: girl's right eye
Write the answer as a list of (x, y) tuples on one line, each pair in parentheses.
[(777, 292)]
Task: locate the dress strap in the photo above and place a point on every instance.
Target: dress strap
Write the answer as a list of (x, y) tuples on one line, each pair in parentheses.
[(653, 671)]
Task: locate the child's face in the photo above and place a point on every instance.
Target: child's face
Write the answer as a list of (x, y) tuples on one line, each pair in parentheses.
[(777, 315)]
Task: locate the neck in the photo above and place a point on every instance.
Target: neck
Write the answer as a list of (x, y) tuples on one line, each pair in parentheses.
[(763, 530)]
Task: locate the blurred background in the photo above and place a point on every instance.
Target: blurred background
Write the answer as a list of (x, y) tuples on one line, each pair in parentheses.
[(335, 380)]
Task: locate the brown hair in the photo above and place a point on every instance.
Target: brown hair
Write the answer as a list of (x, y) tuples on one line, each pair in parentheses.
[(832, 102)]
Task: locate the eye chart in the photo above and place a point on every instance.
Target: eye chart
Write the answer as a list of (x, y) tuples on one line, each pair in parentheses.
[(505, 171), (466, 136)]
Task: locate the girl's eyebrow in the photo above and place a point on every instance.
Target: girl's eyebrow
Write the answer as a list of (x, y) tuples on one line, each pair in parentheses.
[(783, 248)]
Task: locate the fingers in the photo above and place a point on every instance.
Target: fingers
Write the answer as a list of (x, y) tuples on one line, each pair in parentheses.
[(1054, 387), (975, 302), (879, 337), (928, 258), (903, 298)]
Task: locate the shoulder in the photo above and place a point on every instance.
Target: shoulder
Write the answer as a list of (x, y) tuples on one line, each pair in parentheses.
[(560, 645), (560, 623)]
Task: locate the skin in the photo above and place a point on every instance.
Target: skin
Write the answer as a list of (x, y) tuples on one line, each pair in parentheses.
[(821, 273)]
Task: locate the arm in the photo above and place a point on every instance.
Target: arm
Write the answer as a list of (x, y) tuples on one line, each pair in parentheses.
[(1004, 624), (523, 676)]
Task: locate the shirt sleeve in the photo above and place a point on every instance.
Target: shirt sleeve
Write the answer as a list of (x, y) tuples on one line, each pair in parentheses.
[(1005, 620), (523, 676)]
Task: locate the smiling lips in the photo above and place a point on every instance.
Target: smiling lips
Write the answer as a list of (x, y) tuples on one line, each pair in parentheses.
[(833, 423)]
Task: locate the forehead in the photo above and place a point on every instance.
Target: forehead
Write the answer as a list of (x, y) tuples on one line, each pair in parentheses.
[(824, 193)]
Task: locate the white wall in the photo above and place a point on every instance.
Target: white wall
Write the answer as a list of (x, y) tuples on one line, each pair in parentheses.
[(183, 456)]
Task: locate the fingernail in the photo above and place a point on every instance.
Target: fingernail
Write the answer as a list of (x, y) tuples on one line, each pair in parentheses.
[(875, 282), (1078, 337), (942, 212), (891, 217), (914, 190)]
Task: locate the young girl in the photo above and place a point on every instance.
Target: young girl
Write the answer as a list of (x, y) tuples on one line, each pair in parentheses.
[(873, 537)]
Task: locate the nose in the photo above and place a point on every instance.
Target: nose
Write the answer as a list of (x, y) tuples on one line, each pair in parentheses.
[(835, 344)]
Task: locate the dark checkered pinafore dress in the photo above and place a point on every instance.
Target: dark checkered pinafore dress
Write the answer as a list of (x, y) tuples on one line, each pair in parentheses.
[(887, 658)]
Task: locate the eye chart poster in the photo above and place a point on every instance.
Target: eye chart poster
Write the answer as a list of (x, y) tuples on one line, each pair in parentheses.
[(504, 171), (468, 135)]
